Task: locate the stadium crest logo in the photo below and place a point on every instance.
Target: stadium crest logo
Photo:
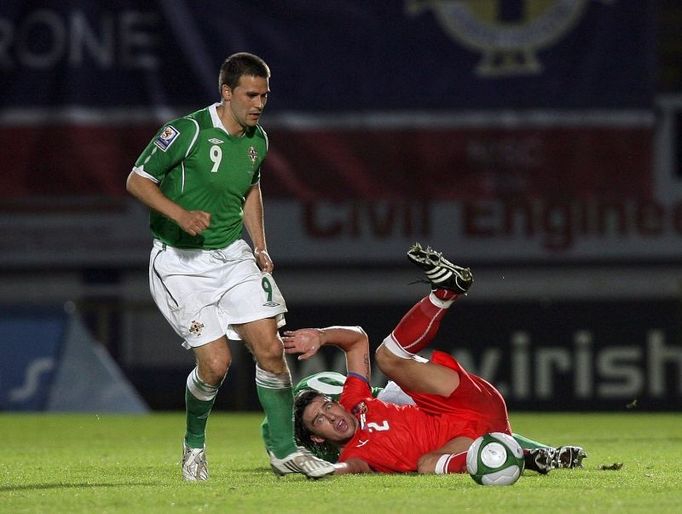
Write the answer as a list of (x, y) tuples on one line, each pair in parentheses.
[(508, 38), (253, 154)]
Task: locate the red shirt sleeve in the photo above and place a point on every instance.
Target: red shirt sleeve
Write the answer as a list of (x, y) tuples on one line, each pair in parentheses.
[(355, 390)]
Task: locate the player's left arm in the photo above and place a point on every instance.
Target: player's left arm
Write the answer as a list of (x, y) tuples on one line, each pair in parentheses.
[(352, 340), (255, 226)]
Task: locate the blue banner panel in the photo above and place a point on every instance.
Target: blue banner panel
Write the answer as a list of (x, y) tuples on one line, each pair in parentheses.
[(543, 355), (29, 354), (334, 56)]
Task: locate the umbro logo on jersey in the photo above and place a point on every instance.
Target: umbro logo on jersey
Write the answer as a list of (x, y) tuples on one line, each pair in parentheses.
[(216, 141), (166, 138), (270, 304)]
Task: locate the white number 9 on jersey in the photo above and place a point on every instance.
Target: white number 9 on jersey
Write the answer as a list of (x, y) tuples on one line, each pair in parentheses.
[(216, 155)]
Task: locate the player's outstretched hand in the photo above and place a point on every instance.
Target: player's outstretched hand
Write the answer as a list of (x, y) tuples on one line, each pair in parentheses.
[(304, 341)]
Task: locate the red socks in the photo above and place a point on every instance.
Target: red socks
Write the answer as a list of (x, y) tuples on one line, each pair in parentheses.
[(451, 463), (419, 326)]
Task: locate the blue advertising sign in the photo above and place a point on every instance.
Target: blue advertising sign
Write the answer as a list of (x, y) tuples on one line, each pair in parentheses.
[(351, 55), (544, 355), (31, 342)]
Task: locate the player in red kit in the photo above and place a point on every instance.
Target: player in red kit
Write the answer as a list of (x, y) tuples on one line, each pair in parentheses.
[(453, 407)]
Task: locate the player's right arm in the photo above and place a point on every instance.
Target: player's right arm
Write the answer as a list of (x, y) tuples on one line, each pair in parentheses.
[(149, 193), (171, 144), (352, 340)]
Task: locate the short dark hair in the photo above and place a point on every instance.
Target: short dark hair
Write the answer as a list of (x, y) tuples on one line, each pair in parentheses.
[(324, 450), (241, 63)]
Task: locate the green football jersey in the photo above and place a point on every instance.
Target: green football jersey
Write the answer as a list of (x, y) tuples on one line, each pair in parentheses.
[(200, 166)]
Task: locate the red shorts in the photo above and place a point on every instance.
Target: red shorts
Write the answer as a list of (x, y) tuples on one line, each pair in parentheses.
[(475, 400)]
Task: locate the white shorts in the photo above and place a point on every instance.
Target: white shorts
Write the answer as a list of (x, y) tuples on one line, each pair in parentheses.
[(202, 293)]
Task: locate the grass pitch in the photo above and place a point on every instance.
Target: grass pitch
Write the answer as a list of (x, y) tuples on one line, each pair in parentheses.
[(108, 463)]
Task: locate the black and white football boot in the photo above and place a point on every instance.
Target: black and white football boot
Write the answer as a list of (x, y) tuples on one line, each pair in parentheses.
[(439, 271), (569, 457), (541, 460)]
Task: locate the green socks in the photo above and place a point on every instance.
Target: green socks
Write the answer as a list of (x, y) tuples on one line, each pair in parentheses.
[(199, 399), (528, 444), (276, 398)]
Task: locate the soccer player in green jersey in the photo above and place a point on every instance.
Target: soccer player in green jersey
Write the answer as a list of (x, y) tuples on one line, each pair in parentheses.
[(200, 177)]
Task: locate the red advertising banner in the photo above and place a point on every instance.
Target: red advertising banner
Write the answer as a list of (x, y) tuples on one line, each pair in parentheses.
[(461, 163), (439, 163), (519, 187)]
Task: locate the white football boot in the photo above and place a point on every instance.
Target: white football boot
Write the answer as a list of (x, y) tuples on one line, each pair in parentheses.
[(194, 464), (301, 461)]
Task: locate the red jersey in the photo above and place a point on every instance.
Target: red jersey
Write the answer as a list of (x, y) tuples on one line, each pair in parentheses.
[(391, 438)]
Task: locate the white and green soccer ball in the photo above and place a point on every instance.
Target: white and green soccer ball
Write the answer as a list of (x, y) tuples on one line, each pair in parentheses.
[(495, 459)]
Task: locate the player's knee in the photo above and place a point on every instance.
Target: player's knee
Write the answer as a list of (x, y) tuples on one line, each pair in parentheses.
[(386, 361), (273, 349), (270, 355), (214, 369)]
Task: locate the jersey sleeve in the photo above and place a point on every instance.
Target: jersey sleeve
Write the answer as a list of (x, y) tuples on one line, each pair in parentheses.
[(266, 145), (355, 390), (171, 144), (256, 177)]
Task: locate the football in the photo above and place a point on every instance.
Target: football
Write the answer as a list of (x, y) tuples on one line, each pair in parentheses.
[(495, 459)]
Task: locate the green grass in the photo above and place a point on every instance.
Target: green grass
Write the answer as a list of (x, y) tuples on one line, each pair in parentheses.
[(107, 463)]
